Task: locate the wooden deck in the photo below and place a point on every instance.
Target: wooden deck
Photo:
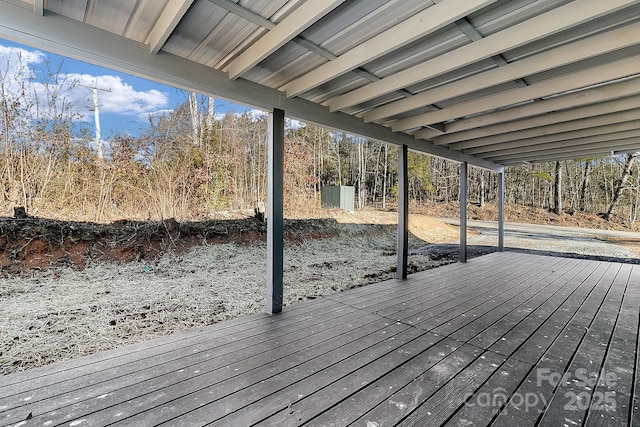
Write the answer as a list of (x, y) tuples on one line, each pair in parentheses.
[(506, 339)]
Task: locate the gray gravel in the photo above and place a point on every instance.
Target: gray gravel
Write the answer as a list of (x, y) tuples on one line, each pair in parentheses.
[(539, 239)]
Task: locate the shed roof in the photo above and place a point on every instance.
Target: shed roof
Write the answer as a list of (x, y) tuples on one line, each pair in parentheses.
[(491, 82)]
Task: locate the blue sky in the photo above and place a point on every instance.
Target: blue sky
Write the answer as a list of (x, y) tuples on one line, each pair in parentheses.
[(125, 109)]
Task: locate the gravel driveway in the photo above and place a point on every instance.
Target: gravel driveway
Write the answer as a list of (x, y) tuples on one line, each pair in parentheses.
[(554, 240)]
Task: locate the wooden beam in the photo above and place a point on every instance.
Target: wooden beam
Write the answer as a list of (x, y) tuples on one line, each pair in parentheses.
[(38, 7), (467, 139), (463, 212), (421, 24), (546, 24), (618, 123), (77, 40), (275, 212), (403, 214), (564, 146), (568, 82), (629, 146), (610, 92), (167, 22), (236, 9), (298, 21), (567, 54)]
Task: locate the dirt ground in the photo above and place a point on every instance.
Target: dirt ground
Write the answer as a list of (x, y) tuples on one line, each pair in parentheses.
[(68, 288), (526, 215), (31, 245)]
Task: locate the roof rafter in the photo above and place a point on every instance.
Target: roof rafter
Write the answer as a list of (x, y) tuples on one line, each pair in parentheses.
[(505, 140), (310, 46), (595, 95), (605, 144), (74, 39), (569, 82), (467, 139), (577, 51), (554, 21), (431, 19), (532, 144), (586, 154), (168, 21), (38, 7), (298, 21)]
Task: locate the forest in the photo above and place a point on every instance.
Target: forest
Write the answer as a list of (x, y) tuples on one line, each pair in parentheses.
[(190, 164)]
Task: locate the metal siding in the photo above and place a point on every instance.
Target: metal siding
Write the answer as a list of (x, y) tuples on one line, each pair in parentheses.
[(347, 198), (338, 196)]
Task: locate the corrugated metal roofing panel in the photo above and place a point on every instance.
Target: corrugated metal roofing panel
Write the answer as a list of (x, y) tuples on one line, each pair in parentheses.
[(143, 18), (367, 26), (74, 9), (394, 87)]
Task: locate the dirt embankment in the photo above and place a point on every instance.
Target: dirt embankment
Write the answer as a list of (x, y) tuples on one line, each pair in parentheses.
[(35, 244), (58, 313), (527, 215)]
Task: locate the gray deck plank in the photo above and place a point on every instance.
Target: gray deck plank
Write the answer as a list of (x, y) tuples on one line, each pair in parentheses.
[(102, 381), (234, 341), (434, 411), (464, 328), (412, 308), (572, 399), (541, 383), (500, 394), (296, 403), (489, 400), (614, 389), (159, 389), (450, 346), (474, 305), (428, 347), (513, 329), (254, 325)]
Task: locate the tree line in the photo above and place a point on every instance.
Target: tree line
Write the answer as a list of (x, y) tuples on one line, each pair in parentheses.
[(192, 164)]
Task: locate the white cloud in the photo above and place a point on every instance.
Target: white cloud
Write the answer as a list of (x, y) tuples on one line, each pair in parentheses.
[(119, 96), (20, 66), (15, 64)]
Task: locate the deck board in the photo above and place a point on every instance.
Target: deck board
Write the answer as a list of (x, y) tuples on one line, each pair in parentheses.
[(458, 345)]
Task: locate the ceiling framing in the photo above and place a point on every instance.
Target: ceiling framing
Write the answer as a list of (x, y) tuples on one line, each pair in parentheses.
[(488, 82)]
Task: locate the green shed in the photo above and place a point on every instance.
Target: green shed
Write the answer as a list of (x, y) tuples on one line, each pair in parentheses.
[(338, 196)]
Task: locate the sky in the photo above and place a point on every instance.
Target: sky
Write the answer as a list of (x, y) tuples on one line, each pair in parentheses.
[(124, 106)]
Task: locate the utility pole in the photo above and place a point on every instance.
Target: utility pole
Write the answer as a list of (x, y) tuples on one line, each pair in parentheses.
[(96, 114)]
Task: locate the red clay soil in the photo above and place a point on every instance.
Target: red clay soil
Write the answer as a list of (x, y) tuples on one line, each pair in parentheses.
[(33, 244)]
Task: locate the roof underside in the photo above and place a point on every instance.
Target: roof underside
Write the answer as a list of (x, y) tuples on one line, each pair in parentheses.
[(491, 82)]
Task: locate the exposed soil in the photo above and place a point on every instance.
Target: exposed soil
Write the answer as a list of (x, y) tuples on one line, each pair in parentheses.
[(69, 310), (527, 215), (33, 244), (71, 288)]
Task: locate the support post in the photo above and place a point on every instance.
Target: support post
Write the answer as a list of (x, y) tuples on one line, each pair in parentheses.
[(403, 214), (501, 211), (463, 212), (275, 224)]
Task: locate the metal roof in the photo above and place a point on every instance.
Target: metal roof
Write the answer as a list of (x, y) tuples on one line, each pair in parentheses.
[(491, 82)]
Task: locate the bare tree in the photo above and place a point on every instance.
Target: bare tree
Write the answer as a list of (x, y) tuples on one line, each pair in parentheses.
[(626, 173), (557, 189)]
